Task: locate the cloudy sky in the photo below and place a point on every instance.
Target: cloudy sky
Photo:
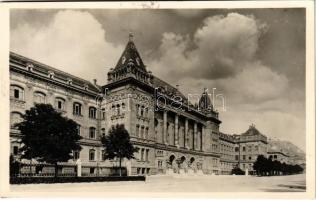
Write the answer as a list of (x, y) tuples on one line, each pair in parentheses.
[(255, 57)]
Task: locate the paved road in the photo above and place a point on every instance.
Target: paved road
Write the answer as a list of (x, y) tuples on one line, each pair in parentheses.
[(293, 183)]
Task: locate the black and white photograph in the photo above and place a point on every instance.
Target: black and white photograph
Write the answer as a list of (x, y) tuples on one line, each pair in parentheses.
[(151, 100)]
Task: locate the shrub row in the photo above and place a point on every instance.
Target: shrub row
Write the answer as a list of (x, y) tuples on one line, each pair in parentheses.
[(35, 180)]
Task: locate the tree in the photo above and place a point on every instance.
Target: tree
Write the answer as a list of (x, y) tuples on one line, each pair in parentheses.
[(260, 165), (14, 166), (117, 144), (47, 136)]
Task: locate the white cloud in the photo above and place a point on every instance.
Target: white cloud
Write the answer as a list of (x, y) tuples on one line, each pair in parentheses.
[(219, 48), (73, 41)]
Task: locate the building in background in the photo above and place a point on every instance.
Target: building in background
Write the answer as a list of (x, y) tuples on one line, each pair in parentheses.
[(170, 140)]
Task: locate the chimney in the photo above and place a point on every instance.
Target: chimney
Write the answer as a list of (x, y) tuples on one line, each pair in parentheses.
[(95, 81)]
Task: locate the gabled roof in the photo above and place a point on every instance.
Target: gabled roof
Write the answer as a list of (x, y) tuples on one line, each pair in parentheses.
[(130, 55)]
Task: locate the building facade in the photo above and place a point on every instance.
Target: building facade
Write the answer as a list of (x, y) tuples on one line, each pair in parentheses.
[(172, 134)]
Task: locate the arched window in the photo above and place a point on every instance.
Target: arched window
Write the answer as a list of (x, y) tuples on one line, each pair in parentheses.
[(137, 109), (15, 118), (103, 113), (113, 110), (142, 111), (39, 97), (77, 108), (146, 112), (91, 154), (60, 103), (103, 131), (118, 111), (92, 112), (92, 132), (16, 92), (123, 106)]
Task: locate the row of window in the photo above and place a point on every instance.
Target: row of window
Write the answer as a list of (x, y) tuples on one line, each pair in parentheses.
[(92, 132), (144, 153), (243, 157), (118, 109), (224, 147), (17, 92), (142, 132), (256, 148), (141, 111)]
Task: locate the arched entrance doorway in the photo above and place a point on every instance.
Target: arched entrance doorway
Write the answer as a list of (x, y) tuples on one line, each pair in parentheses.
[(170, 161), (192, 165), (183, 166)]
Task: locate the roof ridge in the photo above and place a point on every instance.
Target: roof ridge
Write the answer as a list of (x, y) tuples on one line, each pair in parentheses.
[(49, 67)]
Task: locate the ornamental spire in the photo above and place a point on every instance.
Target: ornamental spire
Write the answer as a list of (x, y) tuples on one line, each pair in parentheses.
[(130, 37)]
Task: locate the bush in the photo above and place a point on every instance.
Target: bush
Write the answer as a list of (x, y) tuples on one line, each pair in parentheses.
[(35, 180), (237, 171)]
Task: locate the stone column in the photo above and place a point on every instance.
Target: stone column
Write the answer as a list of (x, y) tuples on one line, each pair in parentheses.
[(165, 126), (202, 138), (176, 130), (194, 136), (186, 129), (78, 163)]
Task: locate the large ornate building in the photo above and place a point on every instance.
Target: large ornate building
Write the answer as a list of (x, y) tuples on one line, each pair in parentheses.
[(173, 135)]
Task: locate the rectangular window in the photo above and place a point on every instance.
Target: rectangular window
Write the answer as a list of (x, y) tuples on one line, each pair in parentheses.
[(244, 157), (102, 155), (243, 148), (92, 113), (137, 130), (146, 133), (142, 132), (92, 132), (142, 155), (76, 155), (78, 129), (15, 150), (147, 152), (77, 109), (60, 104), (16, 94), (91, 155), (103, 113)]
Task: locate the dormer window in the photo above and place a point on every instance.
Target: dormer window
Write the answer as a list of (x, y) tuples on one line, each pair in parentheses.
[(85, 87), (69, 81), (51, 74), (29, 67)]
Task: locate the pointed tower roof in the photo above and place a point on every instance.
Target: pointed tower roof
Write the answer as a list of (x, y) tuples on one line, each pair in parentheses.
[(205, 101), (130, 56)]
